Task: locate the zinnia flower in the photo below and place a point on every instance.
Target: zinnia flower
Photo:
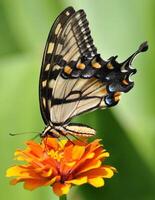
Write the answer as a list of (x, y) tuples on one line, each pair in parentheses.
[(61, 164)]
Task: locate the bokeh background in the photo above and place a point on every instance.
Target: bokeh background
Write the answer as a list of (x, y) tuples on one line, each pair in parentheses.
[(128, 130)]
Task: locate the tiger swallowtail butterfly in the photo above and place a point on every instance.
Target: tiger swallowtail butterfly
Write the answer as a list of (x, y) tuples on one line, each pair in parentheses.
[(74, 79)]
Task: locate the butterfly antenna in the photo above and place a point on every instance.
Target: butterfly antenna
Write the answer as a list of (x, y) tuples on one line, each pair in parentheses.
[(23, 133)]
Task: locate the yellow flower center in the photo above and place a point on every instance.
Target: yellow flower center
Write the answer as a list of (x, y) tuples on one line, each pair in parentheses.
[(56, 155)]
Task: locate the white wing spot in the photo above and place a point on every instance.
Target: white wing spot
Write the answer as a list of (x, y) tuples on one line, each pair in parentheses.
[(88, 46), (47, 67), (44, 83), (56, 67), (82, 29), (50, 47), (77, 16), (85, 37), (44, 102), (67, 13), (57, 29), (80, 23)]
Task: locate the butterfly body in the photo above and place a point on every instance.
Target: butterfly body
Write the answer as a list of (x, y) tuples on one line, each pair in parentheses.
[(75, 79), (71, 129)]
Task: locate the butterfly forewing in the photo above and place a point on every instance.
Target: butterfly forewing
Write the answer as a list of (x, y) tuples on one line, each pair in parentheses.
[(68, 43), (49, 69)]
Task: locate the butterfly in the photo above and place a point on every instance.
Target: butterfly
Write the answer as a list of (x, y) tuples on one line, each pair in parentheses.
[(74, 79)]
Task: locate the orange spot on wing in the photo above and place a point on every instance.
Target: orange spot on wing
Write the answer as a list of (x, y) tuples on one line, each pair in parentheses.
[(110, 66), (117, 96), (67, 69), (81, 66), (125, 82), (96, 65), (103, 91)]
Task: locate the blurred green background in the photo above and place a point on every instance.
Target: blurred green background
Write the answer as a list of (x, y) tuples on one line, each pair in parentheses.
[(128, 130)]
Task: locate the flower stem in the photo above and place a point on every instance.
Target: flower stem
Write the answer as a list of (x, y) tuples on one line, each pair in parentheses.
[(64, 197)]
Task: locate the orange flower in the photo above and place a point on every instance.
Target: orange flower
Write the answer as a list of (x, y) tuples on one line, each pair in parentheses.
[(61, 165)]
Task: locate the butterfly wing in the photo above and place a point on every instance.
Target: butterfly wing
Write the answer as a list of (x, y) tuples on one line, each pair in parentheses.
[(98, 85), (47, 70), (72, 43), (74, 79), (75, 87)]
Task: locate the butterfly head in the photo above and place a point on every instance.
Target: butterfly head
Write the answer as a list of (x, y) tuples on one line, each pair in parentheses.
[(51, 132)]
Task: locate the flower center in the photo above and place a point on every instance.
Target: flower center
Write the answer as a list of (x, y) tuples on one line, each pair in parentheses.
[(57, 155)]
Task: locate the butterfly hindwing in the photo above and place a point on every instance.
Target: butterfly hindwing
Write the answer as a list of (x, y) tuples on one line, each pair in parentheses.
[(75, 97)]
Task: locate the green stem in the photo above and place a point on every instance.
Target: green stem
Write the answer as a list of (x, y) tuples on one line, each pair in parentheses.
[(64, 197)]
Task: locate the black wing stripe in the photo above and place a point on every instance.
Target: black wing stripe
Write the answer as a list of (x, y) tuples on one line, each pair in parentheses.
[(83, 27)]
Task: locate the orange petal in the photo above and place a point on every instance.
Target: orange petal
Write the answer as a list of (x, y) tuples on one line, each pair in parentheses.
[(88, 165), (15, 181), (31, 184), (18, 155), (46, 173), (51, 143), (96, 182), (89, 155), (14, 171), (105, 172), (50, 182), (109, 171), (67, 153), (77, 152), (29, 157), (62, 143), (103, 155), (78, 181), (70, 164), (23, 171), (36, 149), (93, 145), (61, 189)]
